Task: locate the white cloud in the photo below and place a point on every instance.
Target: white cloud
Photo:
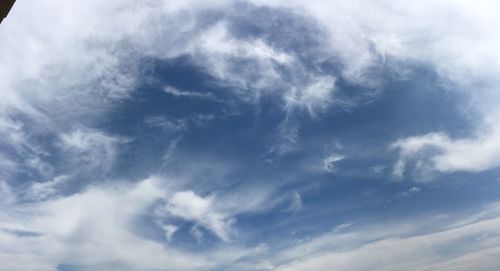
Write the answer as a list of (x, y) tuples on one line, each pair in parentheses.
[(219, 52), (218, 41), (169, 231), (95, 228), (439, 152), (462, 44), (316, 96), (201, 210), (190, 94), (91, 149), (295, 203), (330, 161)]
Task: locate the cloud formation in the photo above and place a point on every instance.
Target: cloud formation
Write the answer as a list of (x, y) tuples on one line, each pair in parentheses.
[(459, 245), (439, 152), (85, 118), (190, 206), (95, 229)]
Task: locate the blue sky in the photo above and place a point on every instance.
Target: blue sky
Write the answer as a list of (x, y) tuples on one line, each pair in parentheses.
[(250, 135)]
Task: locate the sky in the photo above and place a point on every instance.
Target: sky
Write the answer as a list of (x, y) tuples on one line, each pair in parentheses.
[(253, 135)]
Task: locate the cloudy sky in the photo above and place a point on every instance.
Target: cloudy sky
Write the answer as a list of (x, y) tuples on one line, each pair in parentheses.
[(253, 135)]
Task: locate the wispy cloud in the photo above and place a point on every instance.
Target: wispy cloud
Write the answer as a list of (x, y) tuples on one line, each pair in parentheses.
[(393, 247), (330, 161), (189, 94), (189, 206), (91, 150)]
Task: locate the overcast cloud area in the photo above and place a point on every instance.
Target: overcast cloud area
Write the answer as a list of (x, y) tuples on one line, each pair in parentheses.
[(250, 135)]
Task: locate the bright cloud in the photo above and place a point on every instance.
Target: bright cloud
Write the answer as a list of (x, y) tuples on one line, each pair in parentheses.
[(445, 154), (94, 229), (190, 206)]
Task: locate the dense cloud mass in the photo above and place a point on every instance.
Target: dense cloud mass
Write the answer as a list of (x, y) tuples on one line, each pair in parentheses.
[(250, 135)]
